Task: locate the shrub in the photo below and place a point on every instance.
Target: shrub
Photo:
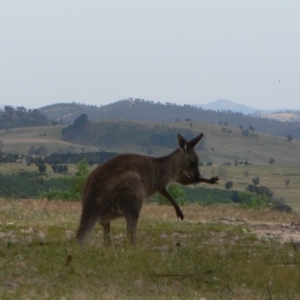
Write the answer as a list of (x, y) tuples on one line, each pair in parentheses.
[(228, 185), (42, 168), (271, 161), (77, 182), (176, 193), (55, 194)]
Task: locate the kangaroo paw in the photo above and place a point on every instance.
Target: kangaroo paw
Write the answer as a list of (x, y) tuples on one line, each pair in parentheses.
[(214, 179), (180, 215)]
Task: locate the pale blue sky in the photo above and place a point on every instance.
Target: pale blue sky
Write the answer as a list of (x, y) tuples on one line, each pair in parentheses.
[(192, 52)]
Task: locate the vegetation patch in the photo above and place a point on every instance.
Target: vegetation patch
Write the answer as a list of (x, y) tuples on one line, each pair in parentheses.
[(202, 257)]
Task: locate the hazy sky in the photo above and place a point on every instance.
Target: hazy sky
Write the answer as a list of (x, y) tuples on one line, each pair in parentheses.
[(178, 51)]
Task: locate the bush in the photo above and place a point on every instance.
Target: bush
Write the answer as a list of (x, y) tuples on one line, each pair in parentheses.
[(271, 161), (228, 185), (176, 193), (55, 194), (75, 185), (42, 168), (77, 182), (250, 200)]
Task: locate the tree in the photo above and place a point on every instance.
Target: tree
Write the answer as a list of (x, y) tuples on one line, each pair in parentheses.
[(287, 182), (289, 137), (271, 161), (245, 132), (263, 190), (255, 180), (228, 185), (78, 181), (222, 171), (42, 168), (246, 173)]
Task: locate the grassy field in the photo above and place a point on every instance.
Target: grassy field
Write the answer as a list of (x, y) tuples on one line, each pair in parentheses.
[(226, 147), (283, 116), (215, 253), (271, 176), (21, 139)]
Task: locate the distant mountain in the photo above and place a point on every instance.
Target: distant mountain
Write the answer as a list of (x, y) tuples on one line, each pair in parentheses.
[(227, 105), (144, 110)]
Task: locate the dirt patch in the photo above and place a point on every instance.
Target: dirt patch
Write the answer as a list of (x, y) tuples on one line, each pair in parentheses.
[(282, 232), (265, 224)]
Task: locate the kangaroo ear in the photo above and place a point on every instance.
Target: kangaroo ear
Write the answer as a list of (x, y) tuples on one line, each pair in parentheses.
[(192, 143), (182, 143)]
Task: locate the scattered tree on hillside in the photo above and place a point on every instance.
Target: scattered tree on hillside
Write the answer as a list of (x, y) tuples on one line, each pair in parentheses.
[(245, 132), (228, 185), (246, 173), (42, 168), (271, 161), (255, 181), (287, 182), (289, 137), (76, 127), (222, 171)]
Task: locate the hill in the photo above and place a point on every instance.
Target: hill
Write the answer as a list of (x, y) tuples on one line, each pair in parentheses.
[(141, 110), (225, 105), (156, 139), (220, 144)]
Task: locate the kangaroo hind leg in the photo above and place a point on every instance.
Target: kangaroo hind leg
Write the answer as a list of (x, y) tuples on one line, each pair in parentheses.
[(106, 232), (130, 205)]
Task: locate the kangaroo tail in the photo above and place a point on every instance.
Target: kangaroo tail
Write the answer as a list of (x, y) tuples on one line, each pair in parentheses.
[(88, 221)]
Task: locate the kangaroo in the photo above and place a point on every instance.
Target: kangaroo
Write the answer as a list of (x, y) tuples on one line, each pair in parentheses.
[(120, 186)]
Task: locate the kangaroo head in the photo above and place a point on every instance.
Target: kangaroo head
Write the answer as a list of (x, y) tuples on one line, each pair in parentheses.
[(190, 161)]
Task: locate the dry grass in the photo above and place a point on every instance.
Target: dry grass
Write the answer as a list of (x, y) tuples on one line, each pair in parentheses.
[(283, 116), (271, 176), (215, 253)]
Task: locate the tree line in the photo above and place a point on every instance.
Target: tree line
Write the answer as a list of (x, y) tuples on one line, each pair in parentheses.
[(11, 117)]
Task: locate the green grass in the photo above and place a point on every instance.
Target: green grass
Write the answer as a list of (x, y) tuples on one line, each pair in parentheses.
[(173, 260)]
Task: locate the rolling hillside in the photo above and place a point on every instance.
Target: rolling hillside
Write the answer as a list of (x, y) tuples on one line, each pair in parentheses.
[(218, 146), (141, 110)]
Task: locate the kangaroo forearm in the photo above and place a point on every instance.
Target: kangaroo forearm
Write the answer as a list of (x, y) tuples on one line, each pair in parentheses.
[(165, 193)]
